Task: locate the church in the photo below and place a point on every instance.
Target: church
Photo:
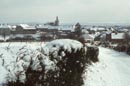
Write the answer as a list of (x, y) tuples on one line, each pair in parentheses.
[(55, 23)]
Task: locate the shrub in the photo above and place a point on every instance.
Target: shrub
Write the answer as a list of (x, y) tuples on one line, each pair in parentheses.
[(92, 54), (59, 63)]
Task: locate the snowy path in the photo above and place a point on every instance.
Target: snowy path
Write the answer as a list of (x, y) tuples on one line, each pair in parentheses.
[(112, 70)]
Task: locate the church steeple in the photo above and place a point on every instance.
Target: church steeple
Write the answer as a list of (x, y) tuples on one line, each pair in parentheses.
[(57, 21)]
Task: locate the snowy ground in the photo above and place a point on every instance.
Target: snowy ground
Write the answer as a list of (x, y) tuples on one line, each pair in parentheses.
[(112, 70)]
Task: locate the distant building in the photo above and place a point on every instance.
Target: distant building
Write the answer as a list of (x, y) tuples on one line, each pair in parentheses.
[(115, 37), (42, 28), (4, 29), (66, 28), (24, 29), (87, 38), (55, 23), (4, 32)]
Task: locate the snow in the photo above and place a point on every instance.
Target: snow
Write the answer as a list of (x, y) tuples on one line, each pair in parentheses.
[(87, 37), (17, 35), (66, 27), (97, 28), (36, 36), (4, 39), (112, 70), (41, 26), (117, 36), (84, 31), (15, 57), (9, 53), (67, 44), (101, 28), (52, 27), (92, 36), (26, 26), (3, 74)]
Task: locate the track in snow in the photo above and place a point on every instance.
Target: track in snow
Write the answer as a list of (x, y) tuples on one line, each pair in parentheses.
[(112, 70)]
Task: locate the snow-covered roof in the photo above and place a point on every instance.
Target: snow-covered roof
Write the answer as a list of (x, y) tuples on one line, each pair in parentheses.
[(97, 28), (24, 35), (86, 36), (123, 30), (41, 26), (112, 29), (108, 32), (66, 27), (117, 36), (92, 35), (103, 36), (14, 26), (101, 28), (50, 27), (26, 26), (85, 31), (97, 34), (47, 26), (61, 27), (18, 35)]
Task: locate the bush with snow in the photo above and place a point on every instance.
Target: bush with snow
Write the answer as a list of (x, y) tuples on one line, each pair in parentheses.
[(92, 54), (59, 63), (68, 56)]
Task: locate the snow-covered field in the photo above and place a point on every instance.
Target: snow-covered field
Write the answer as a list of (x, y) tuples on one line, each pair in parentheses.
[(112, 70)]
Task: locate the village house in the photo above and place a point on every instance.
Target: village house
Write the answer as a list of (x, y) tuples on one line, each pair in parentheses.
[(47, 29), (60, 31), (24, 29), (47, 32), (87, 38), (23, 32), (66, 28), (42, 28), (115, 37)]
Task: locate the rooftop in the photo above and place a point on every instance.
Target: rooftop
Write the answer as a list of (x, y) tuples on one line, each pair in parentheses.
[(117, 36)]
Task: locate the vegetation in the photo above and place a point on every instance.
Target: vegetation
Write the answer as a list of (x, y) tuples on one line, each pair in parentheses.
[(66, 71)]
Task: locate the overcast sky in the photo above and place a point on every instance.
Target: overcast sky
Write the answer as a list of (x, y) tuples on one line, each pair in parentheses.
[(69, 11)]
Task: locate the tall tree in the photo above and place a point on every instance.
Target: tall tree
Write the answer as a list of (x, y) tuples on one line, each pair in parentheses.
[(78, 30)]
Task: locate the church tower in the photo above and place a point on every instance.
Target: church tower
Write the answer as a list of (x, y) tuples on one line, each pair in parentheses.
[(57, 21)]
